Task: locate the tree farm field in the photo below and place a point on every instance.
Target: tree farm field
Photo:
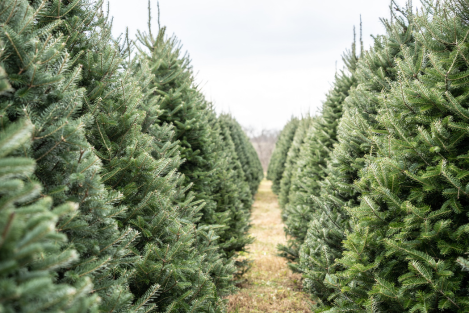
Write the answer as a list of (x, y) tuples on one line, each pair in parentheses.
[(269, 286)]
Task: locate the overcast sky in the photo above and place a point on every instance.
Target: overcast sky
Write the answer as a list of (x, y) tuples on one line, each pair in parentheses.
[(261, 60)]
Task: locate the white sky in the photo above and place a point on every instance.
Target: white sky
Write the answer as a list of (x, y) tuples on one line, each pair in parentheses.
[(261, 60)]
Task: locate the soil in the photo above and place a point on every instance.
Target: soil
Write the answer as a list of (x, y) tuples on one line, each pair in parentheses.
[(269, 286)]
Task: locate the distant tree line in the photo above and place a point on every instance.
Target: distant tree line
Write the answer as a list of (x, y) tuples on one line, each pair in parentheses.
[(264, 143)]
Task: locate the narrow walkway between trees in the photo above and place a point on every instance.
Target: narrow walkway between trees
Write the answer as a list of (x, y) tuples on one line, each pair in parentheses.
[(269, 285)]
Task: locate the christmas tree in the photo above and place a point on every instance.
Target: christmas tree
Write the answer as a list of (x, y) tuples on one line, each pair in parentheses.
[(246, 153), (142, 236), (29, 255), (322, 248), (292, 164), (233, 193), (411, 218), (200, 142), (176, 260), (313, 157), (279, 155), (44, 74)]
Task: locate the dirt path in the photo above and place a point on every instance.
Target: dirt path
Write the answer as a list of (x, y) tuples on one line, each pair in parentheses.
[(270, 286)]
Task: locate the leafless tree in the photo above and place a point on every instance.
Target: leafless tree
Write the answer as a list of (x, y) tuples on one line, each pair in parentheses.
[(264, 143)]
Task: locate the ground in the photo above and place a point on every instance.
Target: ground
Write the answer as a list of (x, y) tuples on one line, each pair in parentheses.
[(269, 286)]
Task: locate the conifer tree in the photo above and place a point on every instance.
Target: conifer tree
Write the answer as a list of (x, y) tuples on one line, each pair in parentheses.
[(411, 225), (246, 153), (355, 291), (200, 141), (241, 180), (28, 253), (314, 155), (291, 163), (176, 260), (329, 219), (102, 137), (233, 193), (45, 75), (182, 106), (279, 155)]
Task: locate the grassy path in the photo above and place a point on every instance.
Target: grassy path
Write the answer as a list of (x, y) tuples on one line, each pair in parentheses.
[(270, 286)]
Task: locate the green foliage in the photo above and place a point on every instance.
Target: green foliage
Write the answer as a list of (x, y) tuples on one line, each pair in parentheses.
[(234, 194), (125, 139), (292, 163), (417, 227), (44, 75), (28, 253), (219, 162), (207, 159), (279, 155), (387, 209), (247, 155), (145, 173), (331, 221), (313, 157), (182, 105), (4, 85)]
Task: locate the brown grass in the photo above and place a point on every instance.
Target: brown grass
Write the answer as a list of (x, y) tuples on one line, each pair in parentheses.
[(269, 285)]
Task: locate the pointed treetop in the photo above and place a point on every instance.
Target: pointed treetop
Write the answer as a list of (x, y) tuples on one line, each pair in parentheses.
[(361, 36), (149, 20), (158, 5)]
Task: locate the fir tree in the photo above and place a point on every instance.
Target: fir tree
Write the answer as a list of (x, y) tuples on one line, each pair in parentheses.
[(237, 193), (176, 259), (182, 106), (28, 253), (313, 157), (232, 193), (104, 138), (279, 155), (373, 269), (199, 139), (246, 154), (242, 183), (44, 73), (412, 213), (330, 222), (292, 164)]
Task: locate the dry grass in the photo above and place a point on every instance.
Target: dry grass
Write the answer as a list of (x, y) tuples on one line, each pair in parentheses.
[(269, 286)]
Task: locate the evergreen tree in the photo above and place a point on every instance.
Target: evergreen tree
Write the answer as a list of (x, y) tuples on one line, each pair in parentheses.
[(233, 193), (206, 160), (279, 155), (184, 107), (177, 261), (313, 157), (104, 137), (322, 248), (374, 265), (28, 253), (241, 182), (210, 166), (44, 74), (411, 225), (326, 210), (291, 163), (246, 153)]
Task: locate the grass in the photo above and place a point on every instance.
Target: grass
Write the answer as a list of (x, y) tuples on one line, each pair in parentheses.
[(269, 286)]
